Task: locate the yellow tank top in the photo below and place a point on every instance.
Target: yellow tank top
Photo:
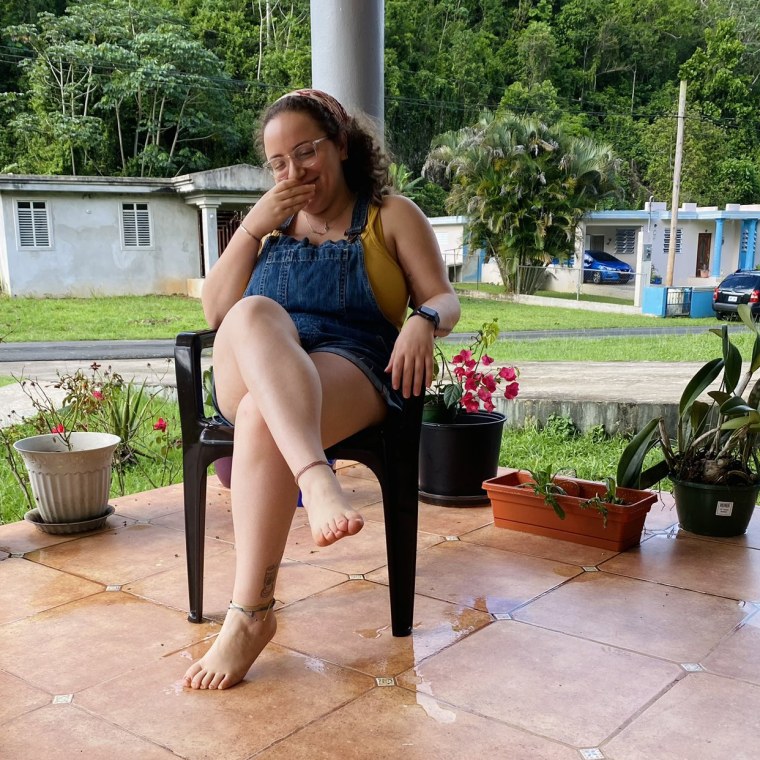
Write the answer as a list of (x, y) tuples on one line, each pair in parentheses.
[(385, 274)]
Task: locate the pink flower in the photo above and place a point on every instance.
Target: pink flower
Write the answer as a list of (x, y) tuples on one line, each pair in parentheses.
[(463, 356), (98, 395), (470, 402), (59, 428), (484, 393), (510, 391), (471, 384), (489, 382), (488, 406), (470, 364), (486, 359), (160, 424), (507, 373)]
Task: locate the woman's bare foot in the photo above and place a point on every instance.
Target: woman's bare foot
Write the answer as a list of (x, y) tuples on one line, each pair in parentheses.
[(331, 517), (230, 657)]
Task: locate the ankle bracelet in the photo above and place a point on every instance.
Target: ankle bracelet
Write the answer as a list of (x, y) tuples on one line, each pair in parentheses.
[(251, 611), (309, 466)]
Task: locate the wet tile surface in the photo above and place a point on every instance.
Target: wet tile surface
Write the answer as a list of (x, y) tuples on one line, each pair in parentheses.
[(523, 646), (679, 724), (542, 681)]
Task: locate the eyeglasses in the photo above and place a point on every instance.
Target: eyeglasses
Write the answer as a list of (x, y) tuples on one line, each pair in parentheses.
[(304, 155)]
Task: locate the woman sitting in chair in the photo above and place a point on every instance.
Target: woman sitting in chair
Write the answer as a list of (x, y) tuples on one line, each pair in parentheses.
[(310, 299)]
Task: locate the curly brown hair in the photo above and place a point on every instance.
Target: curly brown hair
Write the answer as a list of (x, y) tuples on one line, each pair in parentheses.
[(366, 167)]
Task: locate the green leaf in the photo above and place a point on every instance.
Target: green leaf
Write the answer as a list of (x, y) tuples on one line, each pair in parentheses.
[(720, 397), (451, 395), (739, 422), (735, 405), (699, 383), (632, 458), (733, 359)]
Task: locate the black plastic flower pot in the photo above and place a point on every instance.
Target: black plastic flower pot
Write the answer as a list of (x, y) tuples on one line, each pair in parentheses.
[(714, 510), (456, 457)]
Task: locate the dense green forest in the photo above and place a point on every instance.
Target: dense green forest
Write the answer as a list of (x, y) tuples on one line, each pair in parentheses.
[(162, 87)]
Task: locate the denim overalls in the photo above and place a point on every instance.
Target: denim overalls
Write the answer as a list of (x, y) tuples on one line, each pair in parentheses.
[(326, 291)]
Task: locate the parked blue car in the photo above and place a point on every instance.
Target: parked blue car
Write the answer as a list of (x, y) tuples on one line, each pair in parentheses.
[(599, 266)]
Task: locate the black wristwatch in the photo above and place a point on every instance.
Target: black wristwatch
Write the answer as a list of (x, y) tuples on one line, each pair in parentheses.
[(427, 313)]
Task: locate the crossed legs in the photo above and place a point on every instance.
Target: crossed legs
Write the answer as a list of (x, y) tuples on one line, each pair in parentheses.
[(287, 407)]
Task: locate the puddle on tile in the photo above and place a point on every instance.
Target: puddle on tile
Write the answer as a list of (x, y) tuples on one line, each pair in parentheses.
[(372, 633)]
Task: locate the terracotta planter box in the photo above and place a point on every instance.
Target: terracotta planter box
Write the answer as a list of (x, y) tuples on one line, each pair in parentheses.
[(519, 508)]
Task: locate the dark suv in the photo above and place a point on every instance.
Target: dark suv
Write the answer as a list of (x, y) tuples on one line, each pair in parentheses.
[(743, 286)]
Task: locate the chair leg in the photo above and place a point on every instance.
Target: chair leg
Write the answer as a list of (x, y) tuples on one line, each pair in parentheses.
[(195, 525), (400, 507)]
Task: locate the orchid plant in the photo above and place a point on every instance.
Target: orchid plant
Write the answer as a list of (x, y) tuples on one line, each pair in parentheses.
[(467, 380)]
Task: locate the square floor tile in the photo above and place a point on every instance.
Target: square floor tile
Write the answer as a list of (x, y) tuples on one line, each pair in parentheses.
[(738, 656), (22, 537), (487, 579), (350, 625), (691, 563), (61, 732), (703, 717), (295, 581), (537, 546), (149, 505), (361, 553), (18, 698), (121, 556), (27, 588), (413, 727), (76, 645), (661, 621), (557, 686), (283, 691)]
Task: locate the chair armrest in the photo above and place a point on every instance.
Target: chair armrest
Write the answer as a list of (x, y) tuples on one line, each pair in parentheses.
[(188, 348)]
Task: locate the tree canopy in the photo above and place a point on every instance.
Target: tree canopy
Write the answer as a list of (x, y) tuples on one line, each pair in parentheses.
[(156, 87)]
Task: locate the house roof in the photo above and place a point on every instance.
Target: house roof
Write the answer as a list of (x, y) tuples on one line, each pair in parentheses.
[(241, 182)]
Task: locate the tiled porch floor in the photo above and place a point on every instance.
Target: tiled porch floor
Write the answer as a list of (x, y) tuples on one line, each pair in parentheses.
[(524, 647)]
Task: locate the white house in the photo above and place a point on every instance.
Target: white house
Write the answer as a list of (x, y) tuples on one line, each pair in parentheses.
[(82, 236)]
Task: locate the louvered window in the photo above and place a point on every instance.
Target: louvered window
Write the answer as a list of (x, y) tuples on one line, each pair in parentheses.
[(135, 219), (33, 224), (625, 240), (666, 240)]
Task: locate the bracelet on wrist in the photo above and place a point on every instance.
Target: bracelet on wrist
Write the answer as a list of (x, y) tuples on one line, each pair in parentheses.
[(249, 233)]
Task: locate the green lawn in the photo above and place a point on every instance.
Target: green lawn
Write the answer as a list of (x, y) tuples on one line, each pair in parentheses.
[(144, 317), (114, 318), (157, 317)]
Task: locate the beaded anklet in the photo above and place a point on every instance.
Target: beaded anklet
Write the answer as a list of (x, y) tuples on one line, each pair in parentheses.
[(251, 611)]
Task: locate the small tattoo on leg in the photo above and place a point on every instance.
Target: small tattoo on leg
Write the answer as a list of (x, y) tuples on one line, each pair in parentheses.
[(270, 576)]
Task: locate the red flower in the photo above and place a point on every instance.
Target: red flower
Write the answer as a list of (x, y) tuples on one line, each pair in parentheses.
[(511, 390), (160, 424), (98, 395), (59, 428), (508, 374), (486, 359)]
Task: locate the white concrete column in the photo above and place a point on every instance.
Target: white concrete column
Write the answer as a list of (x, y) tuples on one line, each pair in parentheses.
[(209, 234), (347, 42)]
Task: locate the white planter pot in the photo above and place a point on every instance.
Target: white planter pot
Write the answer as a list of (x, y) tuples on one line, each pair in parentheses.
[(69, 485)]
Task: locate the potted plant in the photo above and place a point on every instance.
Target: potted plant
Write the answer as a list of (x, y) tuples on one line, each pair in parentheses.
[(461, 431), (70, 460), (711, 456), (562, 506)]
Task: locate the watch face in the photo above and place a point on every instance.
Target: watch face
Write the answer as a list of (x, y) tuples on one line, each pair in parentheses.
[(430, 314)]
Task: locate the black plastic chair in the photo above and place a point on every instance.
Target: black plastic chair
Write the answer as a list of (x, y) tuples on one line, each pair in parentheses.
[(390, 450)]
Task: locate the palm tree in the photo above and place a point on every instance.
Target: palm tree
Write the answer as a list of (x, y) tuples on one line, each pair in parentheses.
[(524, 186)]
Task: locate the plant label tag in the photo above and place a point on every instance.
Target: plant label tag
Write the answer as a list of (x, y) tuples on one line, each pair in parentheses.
[(724, 508)]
